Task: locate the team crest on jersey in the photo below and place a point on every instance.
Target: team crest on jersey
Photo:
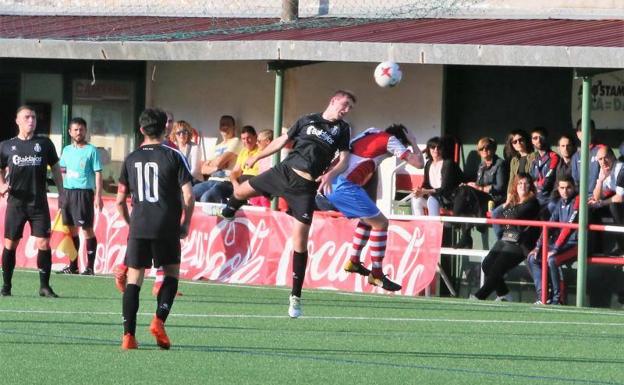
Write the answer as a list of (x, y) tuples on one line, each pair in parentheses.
[(13, 148), (37, 147), (334, 130)]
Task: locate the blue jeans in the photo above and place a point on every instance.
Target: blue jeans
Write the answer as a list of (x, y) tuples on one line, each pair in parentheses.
[(498, 229), (535, 265), (212, 191), (431, 202)]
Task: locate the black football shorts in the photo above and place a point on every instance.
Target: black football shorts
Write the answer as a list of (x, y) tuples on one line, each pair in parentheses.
[(299, 192), (162, 251), (16, 217), (78, 208)]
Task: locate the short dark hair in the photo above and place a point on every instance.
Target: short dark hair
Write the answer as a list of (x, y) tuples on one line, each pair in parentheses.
[(153, 121), (568, 137), (346, 93), (542, 130), (592, 125), (79, 121), (24, 107), (230, 117), (249, 130), (400, 132), (568, 179)]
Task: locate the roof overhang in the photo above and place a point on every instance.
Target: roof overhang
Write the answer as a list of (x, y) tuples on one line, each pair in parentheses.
[(460, 54), (494, 42)]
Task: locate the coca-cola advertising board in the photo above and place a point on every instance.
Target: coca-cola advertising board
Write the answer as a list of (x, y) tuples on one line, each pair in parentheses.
[(256, 249)]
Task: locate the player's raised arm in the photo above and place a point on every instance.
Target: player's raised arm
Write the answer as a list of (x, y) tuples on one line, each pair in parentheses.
[(270, 149)]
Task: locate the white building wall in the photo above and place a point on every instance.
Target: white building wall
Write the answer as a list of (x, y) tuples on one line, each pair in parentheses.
[(200, 92)]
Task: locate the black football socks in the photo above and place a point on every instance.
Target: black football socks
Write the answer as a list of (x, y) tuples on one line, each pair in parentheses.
[(166, 295), (300, 261), (44, 264), (130, 307), (8, 265)]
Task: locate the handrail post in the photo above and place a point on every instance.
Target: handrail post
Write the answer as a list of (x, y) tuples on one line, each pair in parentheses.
[(544, 298), (581, 273)]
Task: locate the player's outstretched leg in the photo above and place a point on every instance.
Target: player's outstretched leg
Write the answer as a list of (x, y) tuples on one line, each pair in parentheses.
[(360, 237), (231, 207)]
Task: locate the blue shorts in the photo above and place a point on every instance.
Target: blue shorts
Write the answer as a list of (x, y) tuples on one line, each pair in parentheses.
[(351, 199)]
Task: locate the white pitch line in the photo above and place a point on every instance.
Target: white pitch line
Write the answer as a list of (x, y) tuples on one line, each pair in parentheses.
[(332, 318), (447, 301)]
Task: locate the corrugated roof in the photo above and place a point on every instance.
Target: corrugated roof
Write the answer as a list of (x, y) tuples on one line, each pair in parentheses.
[(543, 32)]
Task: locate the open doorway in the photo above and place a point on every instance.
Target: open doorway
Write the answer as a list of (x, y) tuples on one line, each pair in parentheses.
[(9, 99)]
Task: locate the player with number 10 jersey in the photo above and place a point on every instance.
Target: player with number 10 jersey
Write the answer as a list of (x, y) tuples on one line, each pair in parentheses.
[(153, 173)]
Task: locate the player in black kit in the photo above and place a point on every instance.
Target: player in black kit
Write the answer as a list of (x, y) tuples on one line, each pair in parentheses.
[(316, 138), (159, 180), (27, 157)]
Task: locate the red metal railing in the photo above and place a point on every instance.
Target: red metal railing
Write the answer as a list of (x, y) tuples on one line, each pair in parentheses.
[(547, 225)]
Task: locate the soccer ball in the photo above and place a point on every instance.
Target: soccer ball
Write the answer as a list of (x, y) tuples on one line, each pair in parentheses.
[(388, 74)]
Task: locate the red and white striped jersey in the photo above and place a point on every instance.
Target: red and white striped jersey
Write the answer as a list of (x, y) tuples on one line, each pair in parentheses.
[(368, 150)]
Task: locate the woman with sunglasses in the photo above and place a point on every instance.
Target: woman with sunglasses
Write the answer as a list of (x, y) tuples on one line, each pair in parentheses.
[(181, 135), (519, 155), (472, 198), (441, 178)]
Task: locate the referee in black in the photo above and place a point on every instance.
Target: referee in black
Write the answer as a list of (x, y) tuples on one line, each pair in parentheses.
[(27, 157), (158, 178)]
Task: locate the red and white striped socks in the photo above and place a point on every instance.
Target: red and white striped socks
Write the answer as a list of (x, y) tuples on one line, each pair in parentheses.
[(360, 237), (377, 248)]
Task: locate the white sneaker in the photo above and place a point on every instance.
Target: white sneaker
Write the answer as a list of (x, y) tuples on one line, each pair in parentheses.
[(294, 309), (504, 298), (538, 302)]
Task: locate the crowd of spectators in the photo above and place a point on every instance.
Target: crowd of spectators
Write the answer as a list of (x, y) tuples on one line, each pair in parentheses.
[(554, 178), (214, 167)]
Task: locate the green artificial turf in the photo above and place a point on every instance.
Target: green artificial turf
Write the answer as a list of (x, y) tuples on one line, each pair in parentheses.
[(224, 334)]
